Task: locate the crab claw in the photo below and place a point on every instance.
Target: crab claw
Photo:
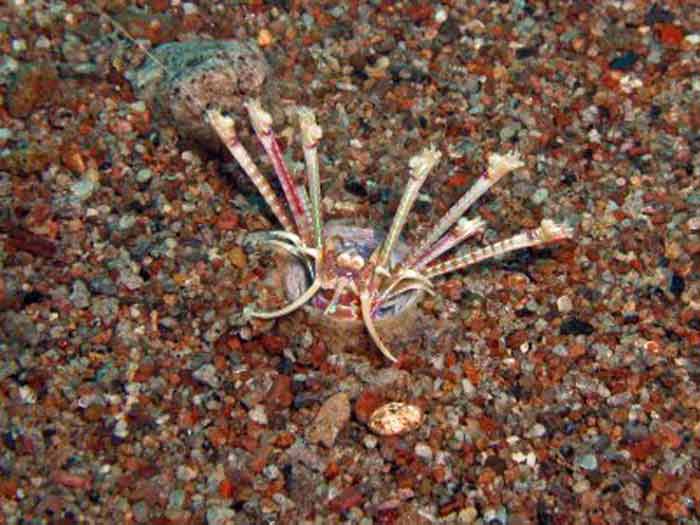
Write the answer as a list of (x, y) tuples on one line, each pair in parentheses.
[(298, 302), (366, 307)]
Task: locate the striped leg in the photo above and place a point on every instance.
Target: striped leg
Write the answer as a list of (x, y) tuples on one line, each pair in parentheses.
[(499, 166), (547, 232), (226, 129), (262, 124)]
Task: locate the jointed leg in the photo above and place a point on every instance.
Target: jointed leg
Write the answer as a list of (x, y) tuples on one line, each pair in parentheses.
[(546, 233), (225, 128), (262, 124), (499, 166)]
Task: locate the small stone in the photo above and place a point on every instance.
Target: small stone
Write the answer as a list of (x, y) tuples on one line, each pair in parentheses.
[(587, 462), (186, 473), (207, 374), (540, 196), (258, 415), (369, 441), (220, 515), (126, 221), (395, 418), (281, 394), (581, 486), (265, 38), (176, 499), (5, 135), (564, 304), (624, 62), (467, 516), (144, 175), (80, 296), (574, 326), (536, 431), (227, 220), (140, 510), (237, 257), (271, 472), (423, 451), (83, 189), (330, 420)]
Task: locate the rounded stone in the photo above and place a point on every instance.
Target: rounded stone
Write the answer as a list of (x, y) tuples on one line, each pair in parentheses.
[(181, 79), (395, 418)]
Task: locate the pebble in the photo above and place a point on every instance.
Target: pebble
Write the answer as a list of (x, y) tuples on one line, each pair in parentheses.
[(83, 189), (423, 451), (536, 431), (144, 175), (587, 462), (370, 441), (581, 486), (186, 473), (126, 222), (208, 374), (258, 415), (540, 196), (80, 295), (467, 516), (330, 420), (218, 73), (395, 418), (564, 304), (271, 472), (220, 515)]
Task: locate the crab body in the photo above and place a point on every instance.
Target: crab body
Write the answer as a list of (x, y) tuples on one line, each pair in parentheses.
[(348, 273), (346, 252)]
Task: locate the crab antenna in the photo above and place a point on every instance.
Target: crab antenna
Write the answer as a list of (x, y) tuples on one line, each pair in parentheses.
[(297, 303), (366, 308), (226, 129), (404, 275), (499, 166), (262, 124), (421, 165), (546, 233), (311, 134)]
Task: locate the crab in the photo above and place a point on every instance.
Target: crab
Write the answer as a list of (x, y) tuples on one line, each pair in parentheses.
[(356, 273)]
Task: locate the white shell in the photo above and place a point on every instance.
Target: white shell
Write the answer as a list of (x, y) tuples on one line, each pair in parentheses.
[(395, 418)]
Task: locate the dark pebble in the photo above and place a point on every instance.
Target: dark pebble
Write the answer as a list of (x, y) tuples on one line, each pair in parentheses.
[(677, 285), (525, 52), (102, 285), (32, 297), (574, 326), (624, 62), (658, 14), (354, 186)]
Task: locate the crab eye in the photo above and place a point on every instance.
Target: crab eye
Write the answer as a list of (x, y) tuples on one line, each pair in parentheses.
[(351, 260)]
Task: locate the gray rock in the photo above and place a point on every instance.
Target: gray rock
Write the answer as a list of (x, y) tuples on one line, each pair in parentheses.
[(80, 295), (207, 374), (220, 515), (106, 308), (189, 76), (103, 285), (83, 189), (20, 328)]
